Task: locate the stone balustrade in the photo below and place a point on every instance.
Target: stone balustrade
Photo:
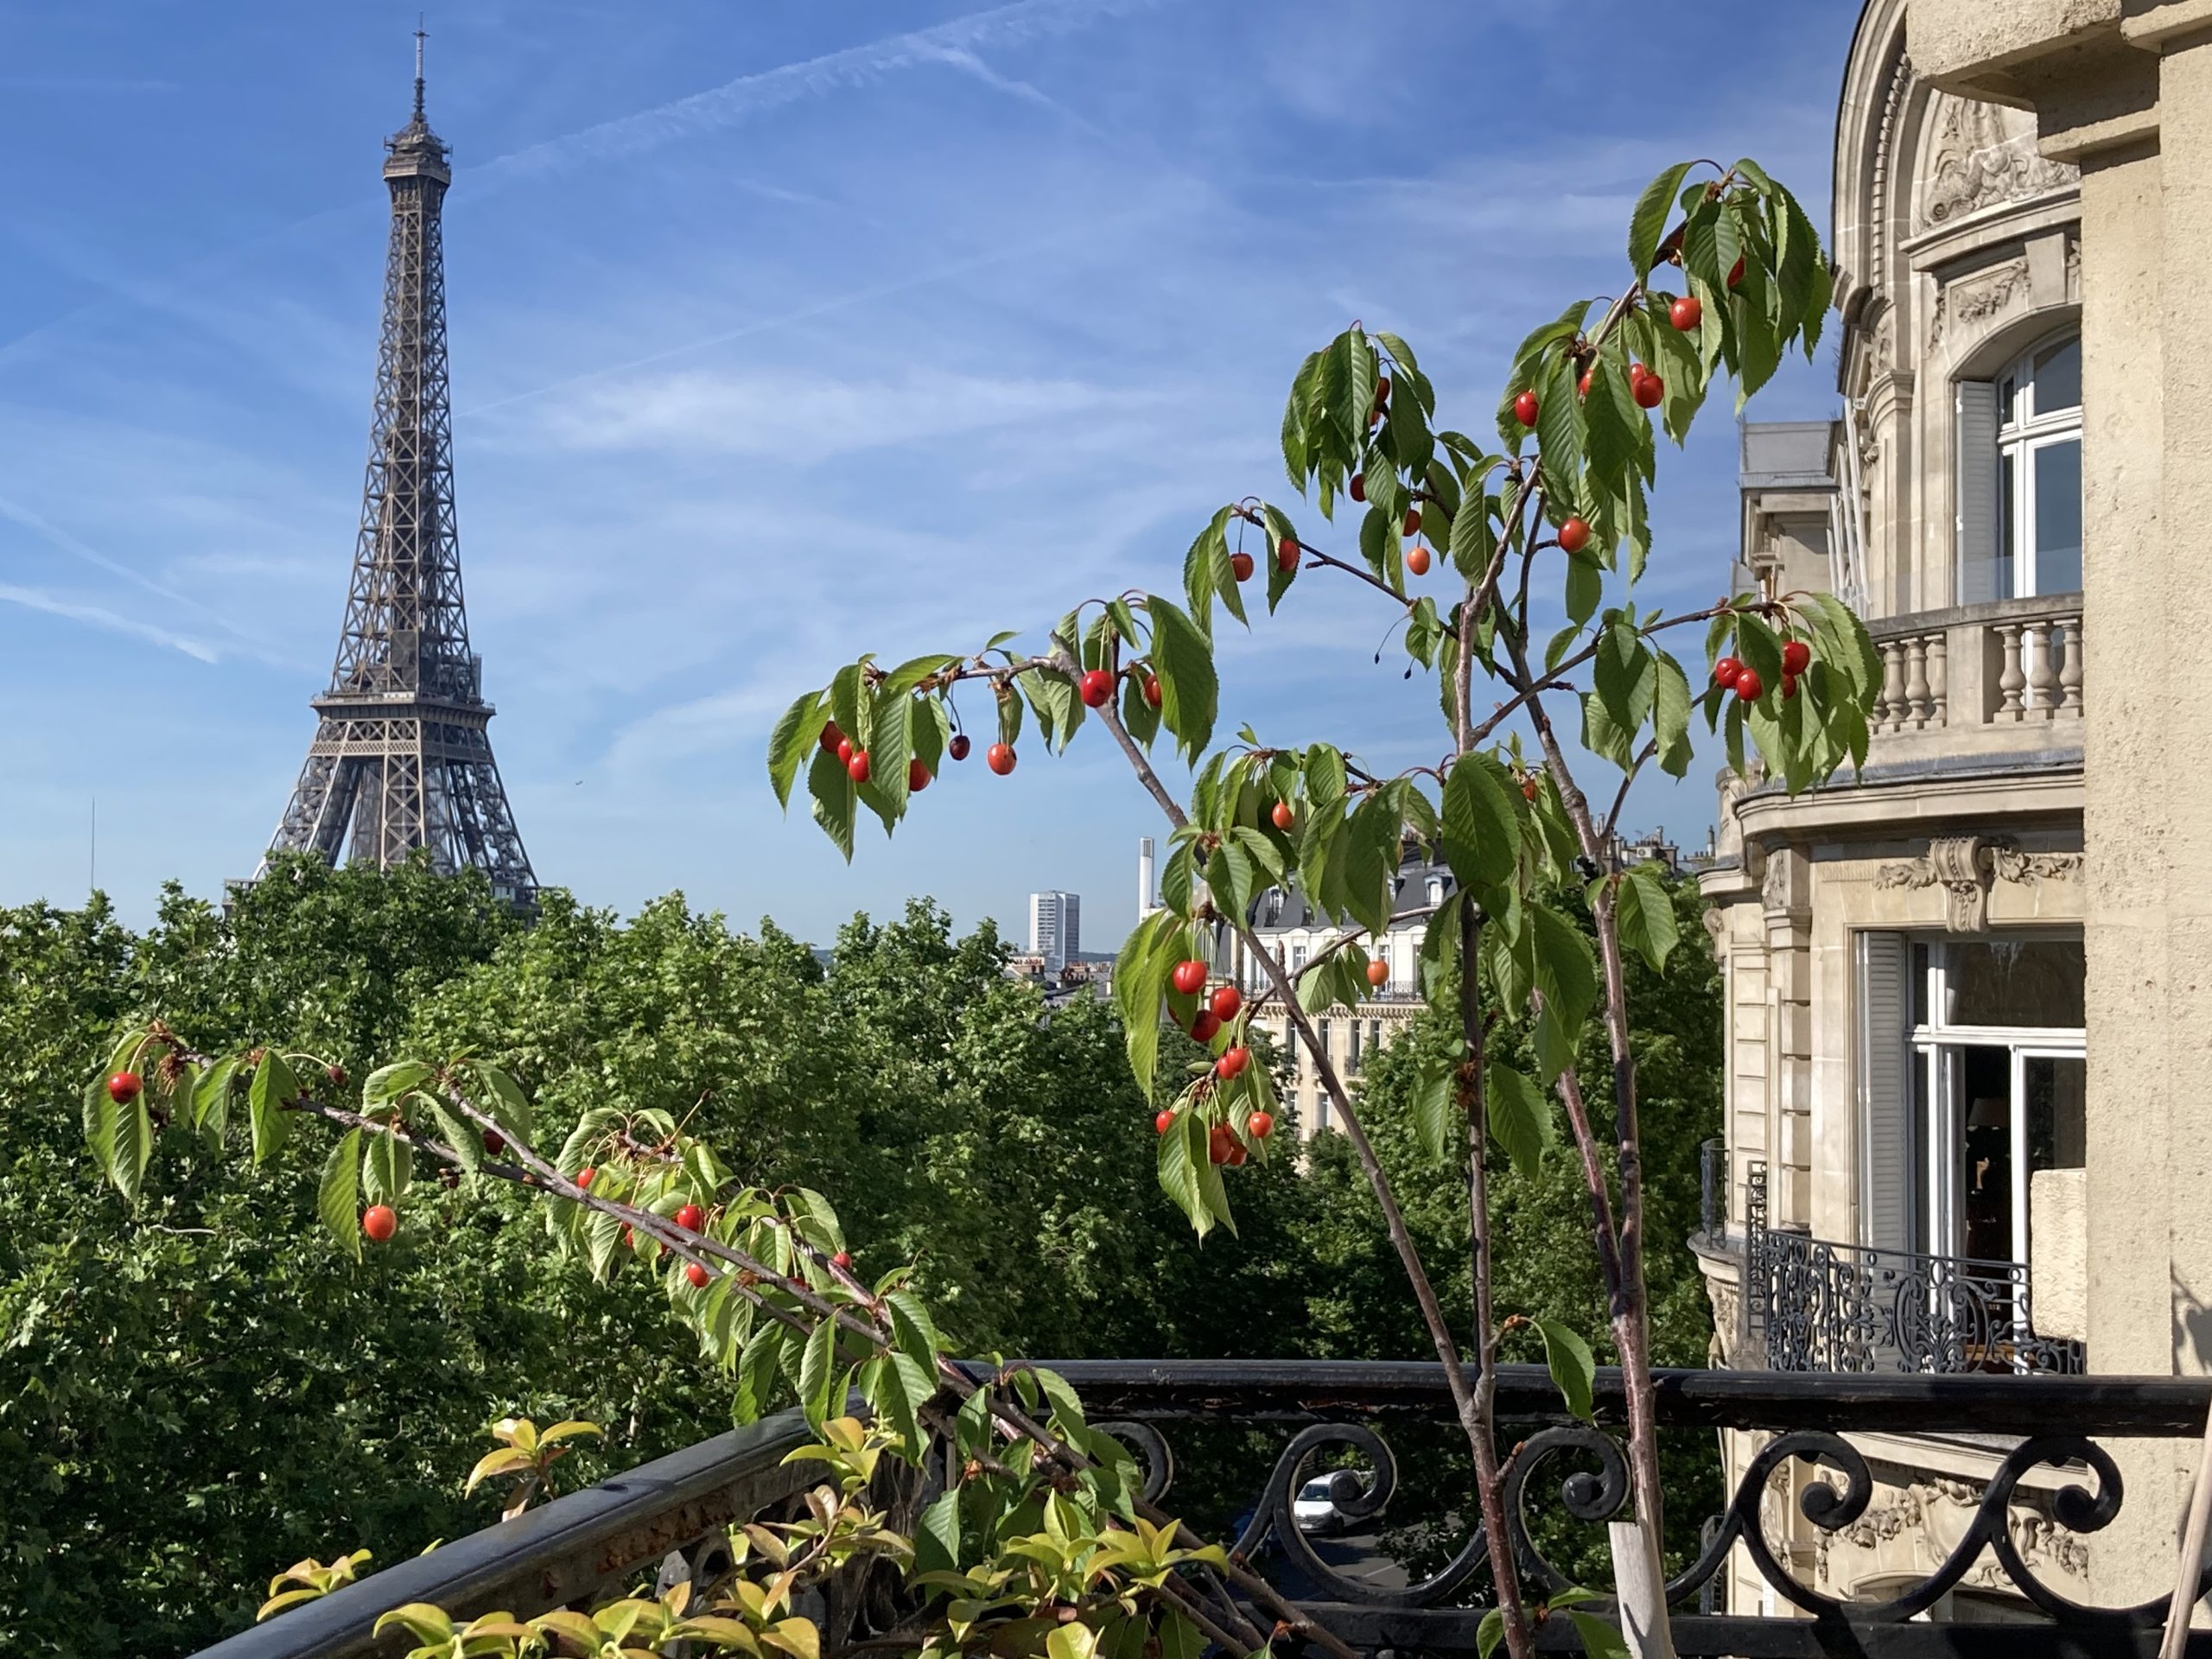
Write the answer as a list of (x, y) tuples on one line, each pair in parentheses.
[(2015, 661)]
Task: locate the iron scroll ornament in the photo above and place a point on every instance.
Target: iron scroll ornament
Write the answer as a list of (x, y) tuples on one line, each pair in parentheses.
[(1599, 1495)]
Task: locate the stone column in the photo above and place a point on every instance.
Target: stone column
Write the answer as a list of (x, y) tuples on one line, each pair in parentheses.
[(2124, 89)]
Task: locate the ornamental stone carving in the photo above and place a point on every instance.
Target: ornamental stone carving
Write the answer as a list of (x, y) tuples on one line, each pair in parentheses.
[(1964, 866), (1930, 1514), (1979, 156), (1978, 295)]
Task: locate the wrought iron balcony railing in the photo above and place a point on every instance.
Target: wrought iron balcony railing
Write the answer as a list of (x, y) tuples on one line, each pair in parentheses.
[(1812, 1305), (668, 1517)]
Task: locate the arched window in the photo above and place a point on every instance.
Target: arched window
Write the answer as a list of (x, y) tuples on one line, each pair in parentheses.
[(2019, 518)]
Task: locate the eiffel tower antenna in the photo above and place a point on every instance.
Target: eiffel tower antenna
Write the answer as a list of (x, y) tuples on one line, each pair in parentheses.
[(402, 756)]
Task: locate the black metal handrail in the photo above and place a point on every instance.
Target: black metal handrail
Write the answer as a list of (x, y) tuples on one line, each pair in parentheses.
[(1813, 1305), (615, 1535)]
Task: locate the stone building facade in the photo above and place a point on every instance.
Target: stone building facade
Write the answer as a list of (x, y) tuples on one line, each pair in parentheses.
[(1966, 1002)]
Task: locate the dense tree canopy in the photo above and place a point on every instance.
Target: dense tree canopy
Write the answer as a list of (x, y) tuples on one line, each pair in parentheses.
[(195, 1393)]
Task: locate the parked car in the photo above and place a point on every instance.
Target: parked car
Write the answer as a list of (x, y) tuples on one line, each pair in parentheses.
[(1314, 1508)]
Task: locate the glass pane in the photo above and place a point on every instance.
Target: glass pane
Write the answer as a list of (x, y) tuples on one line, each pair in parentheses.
[(2058, 1089), (2058, 517), (1985, 1153), (2023, 983), (2008, 531), (2058, 377), (2008, 401), (1921, 962)]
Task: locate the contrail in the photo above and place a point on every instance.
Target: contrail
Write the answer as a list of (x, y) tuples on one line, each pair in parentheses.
[(736, 101), (100, 616)]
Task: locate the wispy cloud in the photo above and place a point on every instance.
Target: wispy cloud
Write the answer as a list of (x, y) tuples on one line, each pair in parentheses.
[(748, 96), (38, 599)]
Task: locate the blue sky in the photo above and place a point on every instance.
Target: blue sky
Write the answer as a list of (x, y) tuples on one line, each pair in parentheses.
[(780, 331)]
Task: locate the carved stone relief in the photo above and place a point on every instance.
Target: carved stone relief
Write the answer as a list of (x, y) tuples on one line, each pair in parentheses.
[(1977, 155), (1964, 866), (1936, 1509), (1978, 295)]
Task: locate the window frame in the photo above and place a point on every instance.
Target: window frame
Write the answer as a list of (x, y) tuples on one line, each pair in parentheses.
[(2020, 439)]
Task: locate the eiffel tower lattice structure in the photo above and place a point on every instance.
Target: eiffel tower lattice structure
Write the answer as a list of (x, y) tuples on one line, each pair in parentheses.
[(402, 757)]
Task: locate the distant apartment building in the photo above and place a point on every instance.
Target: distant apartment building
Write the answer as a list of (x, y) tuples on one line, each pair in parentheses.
[(1055, 930)]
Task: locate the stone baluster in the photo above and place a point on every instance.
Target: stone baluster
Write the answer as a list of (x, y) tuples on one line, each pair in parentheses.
[(1915, 682), (2011, 682), (2043, 670), (1889, 705), (1939, 676), (2070, 668)]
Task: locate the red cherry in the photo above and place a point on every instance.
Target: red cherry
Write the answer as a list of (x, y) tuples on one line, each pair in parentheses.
[(844, 751), (1749, 685), (1190, 976), (1530, 789), (1261, 1124), (1096, 689), (629, 1238), (689, 1217), (123, 1088), (494, 1142), (379, 1223), (1582, 386), (1163, 1123), (1417, 561), (1000, 758), (1225, 1002), (697, 1274), (959, 747), (1287, 553), (1221, 1143), (1524, 409), (1726, 670), (1152, 689), (1649, 391), (1378, 973), (585, 1176), (1206, 1026), (856, 768), (1357, 488), (1232, 1062), (831, 737), (1412, 525), (1236, 1153), (1789, 687), (1735, 272), (1686, 313), (1796, 656), (918, 776), (1283, 816), (842, 1260), (1382, 388), (336, 1074), (1574, 536)]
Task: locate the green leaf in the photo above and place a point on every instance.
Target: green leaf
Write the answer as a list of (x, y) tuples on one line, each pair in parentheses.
[(1442, 1126), (936, 1534), (1649, 223), (1601, 1638), (1644, 912), (834, 800), (1572, 1367), (1324, 777), (1519, 1121), (757, 1372), (388, 1082), (338, 1200), (1481, 829), (1567, 972), (1182, 1155), (1371, 862), (1184, 663), (1671, 716), (1147, 956), (1296, 459), (211, 1100), (273, 1085), (390, 1164), (1359, 385), (1625, 677), (798, 731), (818, 1373), (1490, 1633), (890, 750), (1586, 586)]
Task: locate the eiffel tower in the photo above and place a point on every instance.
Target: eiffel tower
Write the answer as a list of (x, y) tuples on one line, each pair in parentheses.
[(401, 758)]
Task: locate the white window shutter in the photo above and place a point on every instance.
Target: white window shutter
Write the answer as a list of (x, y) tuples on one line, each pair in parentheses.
[(1886, 1159), (1976, 526)]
